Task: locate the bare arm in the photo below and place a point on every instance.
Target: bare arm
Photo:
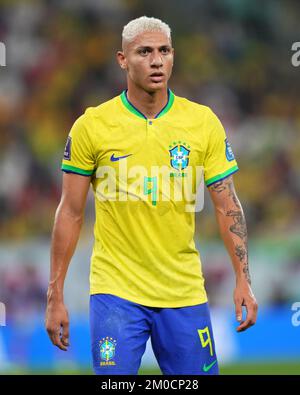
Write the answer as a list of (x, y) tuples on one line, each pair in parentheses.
[(232, 225), (66, 230)]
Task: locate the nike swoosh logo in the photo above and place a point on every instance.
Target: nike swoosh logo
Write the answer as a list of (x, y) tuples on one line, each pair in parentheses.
[(207, 368), (114, 158)]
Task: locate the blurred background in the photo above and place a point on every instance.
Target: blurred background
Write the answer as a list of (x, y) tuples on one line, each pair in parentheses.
[(232, 55)]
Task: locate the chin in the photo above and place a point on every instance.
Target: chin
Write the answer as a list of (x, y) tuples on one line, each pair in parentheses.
[(155, 86)]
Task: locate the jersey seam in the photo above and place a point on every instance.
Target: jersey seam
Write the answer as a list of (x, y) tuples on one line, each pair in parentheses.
[(222, 176), (90, 142), (73, 169), (142, 301)]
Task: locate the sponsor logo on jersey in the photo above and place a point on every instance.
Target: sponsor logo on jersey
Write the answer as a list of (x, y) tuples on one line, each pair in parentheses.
[(114, 158)]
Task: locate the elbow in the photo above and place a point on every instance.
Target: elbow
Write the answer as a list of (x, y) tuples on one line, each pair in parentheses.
[(72, 214)]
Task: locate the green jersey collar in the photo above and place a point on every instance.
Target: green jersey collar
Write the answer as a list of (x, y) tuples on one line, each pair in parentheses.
[(135, 111)]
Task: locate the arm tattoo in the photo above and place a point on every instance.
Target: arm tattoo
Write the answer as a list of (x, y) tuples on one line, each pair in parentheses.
[(239, 228), (242, 253), (239, 223), (223, 185), (246, 272), (232, 193), (218, 186)]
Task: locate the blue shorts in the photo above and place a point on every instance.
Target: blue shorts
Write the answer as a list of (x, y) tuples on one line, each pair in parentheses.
[(181, 337)]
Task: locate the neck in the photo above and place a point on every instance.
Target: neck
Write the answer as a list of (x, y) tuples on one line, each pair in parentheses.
[(149, 104)]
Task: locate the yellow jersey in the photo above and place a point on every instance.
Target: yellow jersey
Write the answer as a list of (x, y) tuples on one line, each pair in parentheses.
[(145, 174)]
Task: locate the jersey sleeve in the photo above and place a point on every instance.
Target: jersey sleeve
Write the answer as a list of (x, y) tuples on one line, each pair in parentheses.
[(78, 154), (219, 161)]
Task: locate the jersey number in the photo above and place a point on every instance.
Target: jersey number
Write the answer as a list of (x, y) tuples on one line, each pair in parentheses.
[(150, 186), (207, 341)]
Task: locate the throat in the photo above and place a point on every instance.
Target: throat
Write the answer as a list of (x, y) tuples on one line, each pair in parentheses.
[(148, 105)]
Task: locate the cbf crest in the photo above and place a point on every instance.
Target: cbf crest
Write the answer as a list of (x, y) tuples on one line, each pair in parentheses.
[(179, 155), (107, 351)]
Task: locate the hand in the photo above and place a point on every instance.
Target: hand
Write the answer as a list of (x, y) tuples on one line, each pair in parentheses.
[(57, 324), (243, 296)]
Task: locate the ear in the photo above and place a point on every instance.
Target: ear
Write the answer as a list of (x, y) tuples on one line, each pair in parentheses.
[(121, 59)]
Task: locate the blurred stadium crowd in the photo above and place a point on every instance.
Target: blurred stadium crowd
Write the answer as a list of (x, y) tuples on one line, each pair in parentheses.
[(231, 55)]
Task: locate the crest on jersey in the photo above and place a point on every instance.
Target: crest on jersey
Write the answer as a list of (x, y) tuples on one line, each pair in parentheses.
[(179, 155), (107, 350), (228, 151)]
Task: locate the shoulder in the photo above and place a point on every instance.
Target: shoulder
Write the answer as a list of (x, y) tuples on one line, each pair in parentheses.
[(87, 122), (192, 106), (197, 112), (195, 109), (103, 110)]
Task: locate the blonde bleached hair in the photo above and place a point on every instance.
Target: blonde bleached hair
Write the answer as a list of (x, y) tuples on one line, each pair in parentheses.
[(144, 24)]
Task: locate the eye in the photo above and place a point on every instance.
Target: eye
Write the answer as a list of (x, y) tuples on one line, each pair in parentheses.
[(143, 51), (165, 50)]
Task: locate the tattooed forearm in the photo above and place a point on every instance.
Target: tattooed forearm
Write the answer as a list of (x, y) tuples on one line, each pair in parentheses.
[(239, 228), (224, 197), (242, 253), (246, 272), (239, 225)]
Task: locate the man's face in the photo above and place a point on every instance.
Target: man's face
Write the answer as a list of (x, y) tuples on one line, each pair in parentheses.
[(148, 60)]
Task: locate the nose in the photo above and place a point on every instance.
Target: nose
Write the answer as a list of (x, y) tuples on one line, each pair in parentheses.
[(156, 59)]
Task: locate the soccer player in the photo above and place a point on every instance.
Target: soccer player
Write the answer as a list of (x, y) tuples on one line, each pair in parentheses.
[(140, 151)]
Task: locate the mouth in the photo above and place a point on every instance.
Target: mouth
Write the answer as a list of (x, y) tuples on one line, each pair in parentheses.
[(157, 76)]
